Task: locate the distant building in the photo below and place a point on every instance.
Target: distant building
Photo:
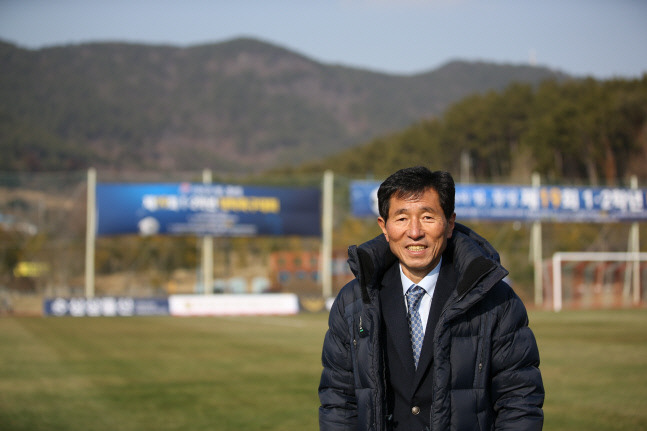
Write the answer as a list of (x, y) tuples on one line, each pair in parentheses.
[(299, 272)]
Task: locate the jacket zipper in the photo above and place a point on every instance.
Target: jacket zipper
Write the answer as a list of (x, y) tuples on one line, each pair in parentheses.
[(361, 331), (482, 353)]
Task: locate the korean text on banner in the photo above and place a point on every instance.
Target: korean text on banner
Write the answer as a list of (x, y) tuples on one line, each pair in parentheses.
[(207, 209)]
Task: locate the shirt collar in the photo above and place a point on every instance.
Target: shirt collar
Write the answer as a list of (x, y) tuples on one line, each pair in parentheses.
[(428, 283)]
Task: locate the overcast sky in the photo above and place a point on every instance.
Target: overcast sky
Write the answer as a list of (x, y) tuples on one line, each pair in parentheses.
[(599, 38)]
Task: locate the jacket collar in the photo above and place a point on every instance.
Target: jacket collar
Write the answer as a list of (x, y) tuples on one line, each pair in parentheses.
[(473, 257)]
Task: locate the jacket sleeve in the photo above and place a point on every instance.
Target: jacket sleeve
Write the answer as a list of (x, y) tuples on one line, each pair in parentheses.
[(517, 387), (338, 410)]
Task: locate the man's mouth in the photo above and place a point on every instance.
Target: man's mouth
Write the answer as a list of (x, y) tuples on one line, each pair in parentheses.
[(416, 247)]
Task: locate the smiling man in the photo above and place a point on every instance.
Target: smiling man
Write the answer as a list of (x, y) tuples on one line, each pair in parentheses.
[(428, 336)]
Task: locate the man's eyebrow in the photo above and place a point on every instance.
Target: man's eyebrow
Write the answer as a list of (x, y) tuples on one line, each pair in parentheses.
[(400, 211), (406, 210)]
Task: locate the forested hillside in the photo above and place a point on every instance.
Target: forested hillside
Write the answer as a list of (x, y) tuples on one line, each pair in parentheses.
[(582, 131), (239, 106)]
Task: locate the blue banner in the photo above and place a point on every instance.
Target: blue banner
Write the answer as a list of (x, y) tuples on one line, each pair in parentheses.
[(207, 209), (106, 307), (526, 203)]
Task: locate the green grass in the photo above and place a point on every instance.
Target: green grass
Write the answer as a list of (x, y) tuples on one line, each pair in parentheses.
[(261, 373), (160, 373), (594, 365)]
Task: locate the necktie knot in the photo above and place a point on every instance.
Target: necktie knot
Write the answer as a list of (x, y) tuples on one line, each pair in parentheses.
[(414, 296)]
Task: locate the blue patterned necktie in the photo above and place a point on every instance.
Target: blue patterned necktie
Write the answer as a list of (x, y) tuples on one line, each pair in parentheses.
[(414, 296)]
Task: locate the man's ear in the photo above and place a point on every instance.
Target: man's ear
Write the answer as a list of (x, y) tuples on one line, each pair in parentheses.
[(382, 223)]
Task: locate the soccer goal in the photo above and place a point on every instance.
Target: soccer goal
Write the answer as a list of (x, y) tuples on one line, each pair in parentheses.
[(597, 279)]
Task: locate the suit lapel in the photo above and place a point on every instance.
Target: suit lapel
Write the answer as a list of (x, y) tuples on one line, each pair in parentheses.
[(395, 317), (442, 292)]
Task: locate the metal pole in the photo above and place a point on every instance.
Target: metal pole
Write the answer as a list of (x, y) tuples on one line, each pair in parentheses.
[(557, 282), (326, 234), (207, 249), (537, 252), (465, 167), (635, 249), (90, 232)]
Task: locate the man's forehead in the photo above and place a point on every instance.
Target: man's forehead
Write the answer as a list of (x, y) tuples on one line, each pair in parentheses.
[(405, 197), (421, 202)]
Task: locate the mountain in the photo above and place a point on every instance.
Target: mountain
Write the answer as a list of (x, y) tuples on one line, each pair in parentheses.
[(237, 106)]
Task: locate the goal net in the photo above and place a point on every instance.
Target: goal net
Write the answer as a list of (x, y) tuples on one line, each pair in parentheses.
[(587, 280)]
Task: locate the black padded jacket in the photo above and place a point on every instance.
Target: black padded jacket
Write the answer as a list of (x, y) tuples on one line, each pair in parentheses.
[(485, 366)]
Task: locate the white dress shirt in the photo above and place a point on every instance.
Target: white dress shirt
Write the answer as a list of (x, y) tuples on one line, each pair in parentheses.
[(429, 285)]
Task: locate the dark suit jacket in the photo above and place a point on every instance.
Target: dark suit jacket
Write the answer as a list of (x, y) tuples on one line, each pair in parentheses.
[(409, 390)]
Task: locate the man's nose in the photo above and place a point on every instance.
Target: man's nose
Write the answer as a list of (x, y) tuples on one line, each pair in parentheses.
[(415, 228)]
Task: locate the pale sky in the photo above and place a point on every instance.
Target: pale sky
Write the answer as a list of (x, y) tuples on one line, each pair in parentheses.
[(599, 38)]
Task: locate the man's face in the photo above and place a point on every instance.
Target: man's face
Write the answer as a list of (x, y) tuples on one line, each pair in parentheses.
[(417, 231)]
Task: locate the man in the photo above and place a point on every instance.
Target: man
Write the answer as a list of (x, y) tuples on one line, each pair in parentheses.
[(428, 336)]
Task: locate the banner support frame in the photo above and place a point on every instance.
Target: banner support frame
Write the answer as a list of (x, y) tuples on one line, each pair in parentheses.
[(326, 234), (537, 251), (207, 249), (90, 232)]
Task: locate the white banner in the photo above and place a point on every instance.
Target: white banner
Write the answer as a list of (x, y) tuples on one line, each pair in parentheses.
[(234, 305)]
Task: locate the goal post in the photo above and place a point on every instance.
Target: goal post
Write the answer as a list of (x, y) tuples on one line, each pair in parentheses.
[(623, 257)]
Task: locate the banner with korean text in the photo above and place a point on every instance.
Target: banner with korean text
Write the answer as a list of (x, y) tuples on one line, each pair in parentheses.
[(527, 203), (207, 209), (105, 306)]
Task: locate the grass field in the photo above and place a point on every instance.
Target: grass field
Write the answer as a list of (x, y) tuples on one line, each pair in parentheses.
[(261, 373)]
